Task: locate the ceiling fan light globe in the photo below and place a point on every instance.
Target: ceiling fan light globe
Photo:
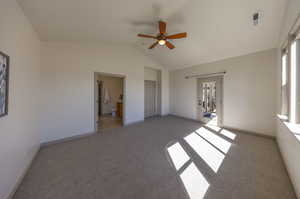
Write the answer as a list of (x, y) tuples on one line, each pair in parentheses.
[(162, 42)]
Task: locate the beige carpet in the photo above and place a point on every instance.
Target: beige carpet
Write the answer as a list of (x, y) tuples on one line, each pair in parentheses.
[(162, 158)]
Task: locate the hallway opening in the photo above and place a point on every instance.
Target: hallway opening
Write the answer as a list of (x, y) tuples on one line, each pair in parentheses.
[(109, 106)]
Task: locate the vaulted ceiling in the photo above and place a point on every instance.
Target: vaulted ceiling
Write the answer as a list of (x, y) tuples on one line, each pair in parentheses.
[(217, 29)]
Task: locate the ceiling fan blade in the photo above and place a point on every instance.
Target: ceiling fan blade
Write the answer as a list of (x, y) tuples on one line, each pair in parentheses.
[(169, 45), (177, 36), (162, 27), (147, 36), (153, 45)]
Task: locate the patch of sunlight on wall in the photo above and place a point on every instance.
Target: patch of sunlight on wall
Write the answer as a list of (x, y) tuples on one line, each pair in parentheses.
[(228, 134), (206, 151), (178, 155), (194, 182), (217, 141)]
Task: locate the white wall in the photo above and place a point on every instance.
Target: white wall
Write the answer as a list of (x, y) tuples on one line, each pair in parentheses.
[(19, 133), (249, 91), (150, 74), (114, 85), (165, 92), (68, 85), (291, 12), (288, 144), (290, 148)]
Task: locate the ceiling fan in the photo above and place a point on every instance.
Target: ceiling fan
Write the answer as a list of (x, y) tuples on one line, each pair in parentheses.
[(162, 38)]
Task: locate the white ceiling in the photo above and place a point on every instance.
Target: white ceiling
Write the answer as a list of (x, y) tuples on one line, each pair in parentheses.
[(217, 29)]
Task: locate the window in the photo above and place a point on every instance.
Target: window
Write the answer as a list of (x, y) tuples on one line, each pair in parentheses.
[(294, 82), (290, 80), (284, 84)]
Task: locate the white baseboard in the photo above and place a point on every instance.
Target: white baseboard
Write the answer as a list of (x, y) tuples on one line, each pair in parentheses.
[(134, 122), (186, 118), (249, 132), (20, 179), (67, 139), (232, 128)]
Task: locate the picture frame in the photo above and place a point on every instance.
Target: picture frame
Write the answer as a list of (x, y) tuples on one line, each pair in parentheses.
[(4, 83)]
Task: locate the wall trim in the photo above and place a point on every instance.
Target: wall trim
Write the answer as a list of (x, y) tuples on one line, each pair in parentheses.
[(273, 137), (67, 139), (25, 171), (134, 122), (232, 128), (185, 118), (76, 137)]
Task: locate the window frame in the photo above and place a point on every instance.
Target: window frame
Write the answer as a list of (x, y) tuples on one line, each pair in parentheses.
[(284, 52), (289, 114)]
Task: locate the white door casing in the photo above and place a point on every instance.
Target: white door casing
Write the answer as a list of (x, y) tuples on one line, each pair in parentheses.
[(150, 98)]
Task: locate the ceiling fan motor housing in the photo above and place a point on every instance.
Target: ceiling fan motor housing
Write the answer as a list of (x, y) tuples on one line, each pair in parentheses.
[(161, 37)]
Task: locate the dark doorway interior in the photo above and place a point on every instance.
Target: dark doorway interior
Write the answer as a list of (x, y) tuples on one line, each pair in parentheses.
[(100, 86)]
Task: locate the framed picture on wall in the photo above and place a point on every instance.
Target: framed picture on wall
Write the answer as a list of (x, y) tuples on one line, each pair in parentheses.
[(4, 75)]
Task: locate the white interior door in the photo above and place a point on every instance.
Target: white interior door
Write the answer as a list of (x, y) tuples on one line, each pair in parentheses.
[(210, 99), (150, 98)]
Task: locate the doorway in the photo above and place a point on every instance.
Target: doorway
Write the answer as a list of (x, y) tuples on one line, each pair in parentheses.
[(100, 90), (150, 98), (109, 101), (210, 98), (152, 92)]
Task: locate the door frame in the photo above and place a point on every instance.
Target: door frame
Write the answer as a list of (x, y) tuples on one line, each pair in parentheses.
[(99, 100), (155, 98), (159, 96), (220, 108), (123, 77)]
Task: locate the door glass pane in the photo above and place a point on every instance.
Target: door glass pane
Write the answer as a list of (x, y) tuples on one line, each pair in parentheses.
[(284, 94), (208, 104)]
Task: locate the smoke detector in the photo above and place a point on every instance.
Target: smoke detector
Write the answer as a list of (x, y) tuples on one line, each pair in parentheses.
[(256, 17)]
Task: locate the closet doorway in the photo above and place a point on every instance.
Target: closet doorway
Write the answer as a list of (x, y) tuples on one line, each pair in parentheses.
[(152, 92), (150, 98), (109, 101)]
